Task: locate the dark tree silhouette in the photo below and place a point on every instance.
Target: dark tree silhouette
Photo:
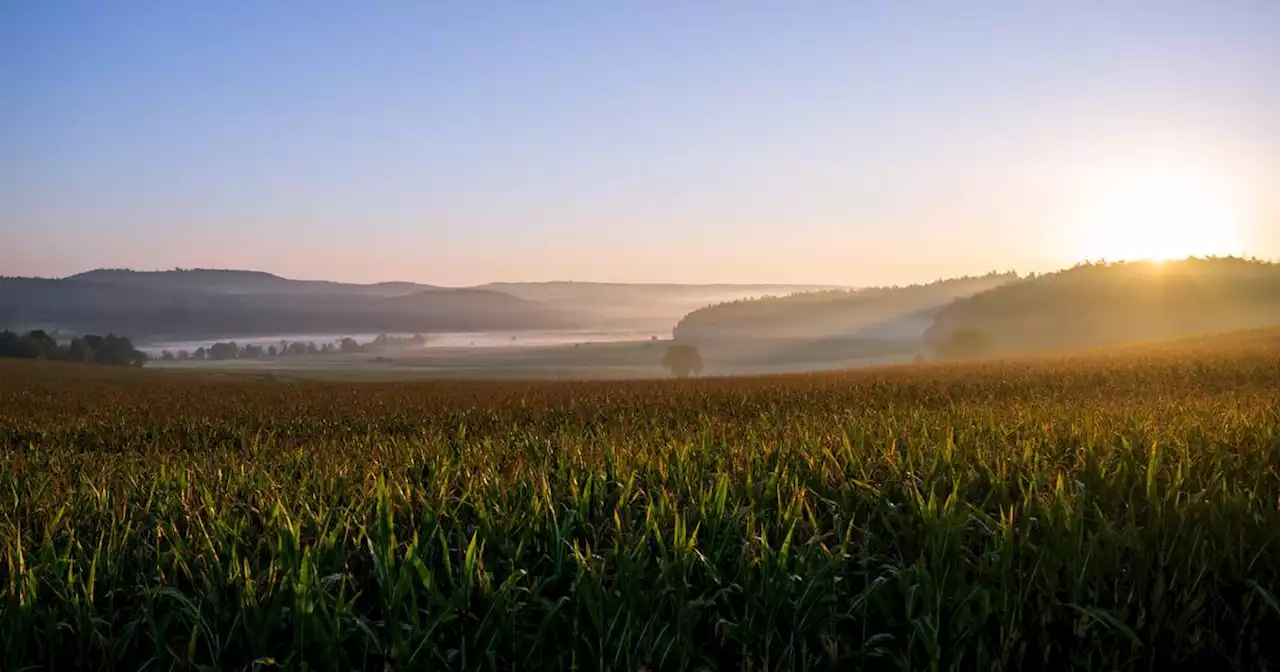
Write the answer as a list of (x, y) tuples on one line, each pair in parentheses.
[(683, 361), (79, 351), (219, 351), (117, 351), (38, 344), (45, 343), (18, 347)]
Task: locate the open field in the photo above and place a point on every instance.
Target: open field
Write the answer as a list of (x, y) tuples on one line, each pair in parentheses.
[(635, 359), (618, 360), (1117, 510)]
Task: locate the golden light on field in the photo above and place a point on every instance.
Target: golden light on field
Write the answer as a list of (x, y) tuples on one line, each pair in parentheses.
[(1160, 214)]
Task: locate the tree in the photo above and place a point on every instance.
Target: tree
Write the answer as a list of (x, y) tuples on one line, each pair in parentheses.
[(79, 351), (219, 351), (312, 349), (19, 347), (198, 354), (184, 355), (44, 343), (118, 351), (90, 349), (271, 351), (166, 355), (349, 346), (32, 345), (682, 361)]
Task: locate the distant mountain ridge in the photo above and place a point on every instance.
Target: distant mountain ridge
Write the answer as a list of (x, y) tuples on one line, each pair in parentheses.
[(1084, 306), (208, 302), (229, 281)]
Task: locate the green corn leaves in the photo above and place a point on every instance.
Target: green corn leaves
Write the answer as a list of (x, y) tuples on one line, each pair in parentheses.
[(1090, 514)]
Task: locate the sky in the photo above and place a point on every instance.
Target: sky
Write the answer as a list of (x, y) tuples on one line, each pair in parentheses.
[(844, 142)]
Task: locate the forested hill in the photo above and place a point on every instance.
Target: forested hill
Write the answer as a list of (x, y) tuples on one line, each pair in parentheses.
[(1100, 304), (596, 305), (880, 312), (213, 304), (225, 281), (637, 305)]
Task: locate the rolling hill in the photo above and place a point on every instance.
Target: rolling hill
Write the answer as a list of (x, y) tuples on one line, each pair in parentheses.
[(241, 303), (1103, 304), (886, 312), (637, 305), (836, 327), (223, 281)]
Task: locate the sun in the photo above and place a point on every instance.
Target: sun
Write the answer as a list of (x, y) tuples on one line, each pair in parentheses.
[(1159, 215)]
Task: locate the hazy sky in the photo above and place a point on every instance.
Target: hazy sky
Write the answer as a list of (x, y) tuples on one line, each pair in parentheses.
[(456, 143)]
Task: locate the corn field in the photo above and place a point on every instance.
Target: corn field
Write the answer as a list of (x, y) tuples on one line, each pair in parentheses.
[(1116, 510)]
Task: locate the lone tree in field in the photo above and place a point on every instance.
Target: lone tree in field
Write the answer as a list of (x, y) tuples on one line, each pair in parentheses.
[(683, 361)]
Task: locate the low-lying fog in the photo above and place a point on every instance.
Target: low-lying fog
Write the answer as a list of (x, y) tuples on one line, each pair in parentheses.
[(462, 339)]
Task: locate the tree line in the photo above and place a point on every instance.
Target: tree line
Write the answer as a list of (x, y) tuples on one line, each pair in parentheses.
[(221, 351), (817, 314), (88, 349)]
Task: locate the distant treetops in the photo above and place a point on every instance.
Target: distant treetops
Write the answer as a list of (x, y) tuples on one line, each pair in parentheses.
[(347, 346), (88, 349)]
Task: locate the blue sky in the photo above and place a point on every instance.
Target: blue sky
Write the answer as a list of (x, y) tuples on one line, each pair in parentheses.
[(455, 143)]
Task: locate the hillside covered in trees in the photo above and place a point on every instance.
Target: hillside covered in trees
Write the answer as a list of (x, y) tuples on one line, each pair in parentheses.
[(224, 281), (215, 303), (637, 305), (212, 303), (877, 312), (832, 328), (1102, 304)]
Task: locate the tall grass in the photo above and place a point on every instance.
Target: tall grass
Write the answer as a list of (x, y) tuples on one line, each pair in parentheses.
[(1110, 512)]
